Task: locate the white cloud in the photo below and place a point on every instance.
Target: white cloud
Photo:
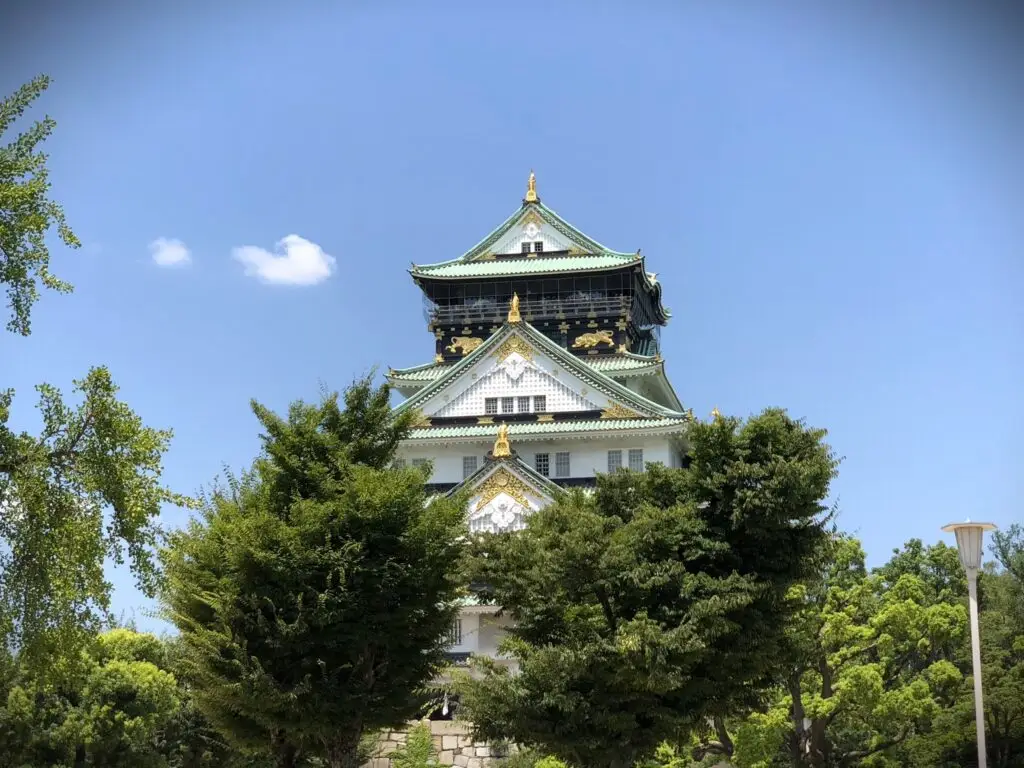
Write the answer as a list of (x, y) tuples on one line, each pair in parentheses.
[(168, 252), (297, 261)]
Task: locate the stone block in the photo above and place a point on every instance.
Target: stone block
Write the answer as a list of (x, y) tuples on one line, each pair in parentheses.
[(381, 762), (468, 751), (388, 747), (460, 760), (483, 751), (399, 737), (446, 757), (449, 742), (474, 762), (450, 727), (465, 741)]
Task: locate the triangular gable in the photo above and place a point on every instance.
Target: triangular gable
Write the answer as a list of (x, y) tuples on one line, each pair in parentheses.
[(503, 494), (558, 234), (593, 387)]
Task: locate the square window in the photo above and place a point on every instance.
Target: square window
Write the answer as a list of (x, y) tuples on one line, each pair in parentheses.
[(542, 463), (538, 246), (399, 464), (468, 466), (562, 464), (508, 404), (525, 247), (614, 460), (636, 459), (420, 462), (523, 404), (491, 405), (540, 403)]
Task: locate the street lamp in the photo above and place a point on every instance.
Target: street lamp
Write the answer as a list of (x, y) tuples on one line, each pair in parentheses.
[(969, 538)]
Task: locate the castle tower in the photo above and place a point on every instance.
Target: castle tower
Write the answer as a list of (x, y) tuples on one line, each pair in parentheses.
[(546, 371)]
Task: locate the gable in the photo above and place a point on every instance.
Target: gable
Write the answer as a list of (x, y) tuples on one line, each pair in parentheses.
[(517, 376), (532, 228), (516, 369), (502, 497)]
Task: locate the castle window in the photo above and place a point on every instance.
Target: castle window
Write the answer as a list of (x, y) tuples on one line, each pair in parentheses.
[(399, 464), (540, 403), (491, 405), (614, 460), (455, 633), (523, 404), (508, 404), (542, 463), (526, 247), (468, 466), (562, 464), (538, 246), (636, 459), (420, 462)]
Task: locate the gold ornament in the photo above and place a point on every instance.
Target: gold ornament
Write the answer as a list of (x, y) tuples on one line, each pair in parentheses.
[(502, 447), (591, 340), (618, 411), (512, 345), (502, 482), (531, 189), (465, 344), (513, 309)]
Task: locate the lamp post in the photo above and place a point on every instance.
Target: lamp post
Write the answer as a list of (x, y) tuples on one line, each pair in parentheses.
[(969, 538)]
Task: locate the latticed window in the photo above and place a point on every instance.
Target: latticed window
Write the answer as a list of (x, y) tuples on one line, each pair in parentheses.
[(468, 466), (399, 464), (491, 405), (538, 246), (523, 406), (540, 403), (508, 404), (614, 460), (455, 633), (525, 248), (420, 462), (542, 463), (562, 464), (636, 459)]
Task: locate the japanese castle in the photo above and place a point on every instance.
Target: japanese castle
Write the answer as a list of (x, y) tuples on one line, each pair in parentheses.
[(546, 371)]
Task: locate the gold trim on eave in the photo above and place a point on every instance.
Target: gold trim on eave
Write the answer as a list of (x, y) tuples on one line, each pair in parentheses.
[(617, 411), (513, 309)]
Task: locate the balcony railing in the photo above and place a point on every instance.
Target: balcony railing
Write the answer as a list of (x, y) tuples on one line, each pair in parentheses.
[(490, 310)]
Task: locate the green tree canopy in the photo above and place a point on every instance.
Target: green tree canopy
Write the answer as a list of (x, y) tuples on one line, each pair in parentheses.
[(315, 595), (658, 600), (26, 213), (86, 489)]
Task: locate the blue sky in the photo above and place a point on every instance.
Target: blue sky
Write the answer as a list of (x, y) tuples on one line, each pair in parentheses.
[(832, 199)]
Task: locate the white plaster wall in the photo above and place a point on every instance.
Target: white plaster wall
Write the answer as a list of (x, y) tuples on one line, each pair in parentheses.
[(587, 457), (512, 241)]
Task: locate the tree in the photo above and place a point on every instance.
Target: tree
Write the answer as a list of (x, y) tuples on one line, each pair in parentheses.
[(315, 594), (870, 660), (26, 213), (656, 602), (85, 490)]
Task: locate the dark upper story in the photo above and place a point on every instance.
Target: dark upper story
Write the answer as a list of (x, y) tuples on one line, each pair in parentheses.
[(582, 295)]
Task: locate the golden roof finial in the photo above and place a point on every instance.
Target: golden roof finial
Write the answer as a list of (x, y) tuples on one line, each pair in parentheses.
[(513, 309), (502, 447), (715, 413), (531, 189)]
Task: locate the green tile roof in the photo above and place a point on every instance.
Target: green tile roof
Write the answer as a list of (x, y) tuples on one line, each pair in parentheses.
[(611, 364), (524, 266), (526, 430)]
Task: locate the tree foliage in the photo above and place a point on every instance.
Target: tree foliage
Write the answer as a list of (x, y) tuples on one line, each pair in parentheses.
[(315, 595), (85, 490), (120, 707), (26, 213), (658, 600)]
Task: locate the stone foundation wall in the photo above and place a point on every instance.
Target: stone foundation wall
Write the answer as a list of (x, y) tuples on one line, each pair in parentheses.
[(453, 742)]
